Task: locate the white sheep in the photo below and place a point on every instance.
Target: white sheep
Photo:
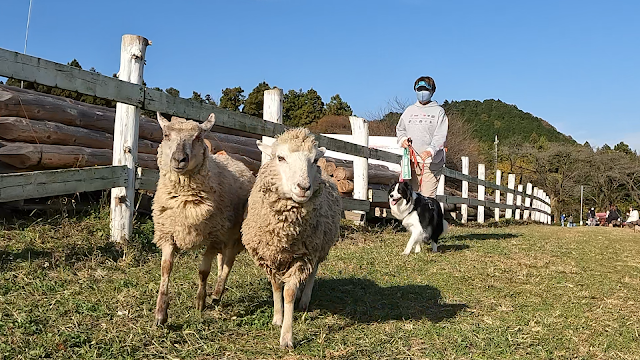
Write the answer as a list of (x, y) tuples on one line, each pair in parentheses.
[(200, 201), (293, 219)]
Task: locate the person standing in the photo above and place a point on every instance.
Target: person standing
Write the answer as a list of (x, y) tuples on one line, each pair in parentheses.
[(424, 126)]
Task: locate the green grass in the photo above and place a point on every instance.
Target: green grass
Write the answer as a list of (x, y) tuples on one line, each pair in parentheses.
[(531, 291)]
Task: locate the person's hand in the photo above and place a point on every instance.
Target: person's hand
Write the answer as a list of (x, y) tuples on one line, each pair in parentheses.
[(426, 154), (405, 143)]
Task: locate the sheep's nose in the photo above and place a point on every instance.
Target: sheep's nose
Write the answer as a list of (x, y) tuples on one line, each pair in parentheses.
[(304, 187)]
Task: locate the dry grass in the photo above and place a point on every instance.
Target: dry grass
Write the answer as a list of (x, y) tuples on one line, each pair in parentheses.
[(514, 292)]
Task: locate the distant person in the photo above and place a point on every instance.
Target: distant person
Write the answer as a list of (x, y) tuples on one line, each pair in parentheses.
[(632, 217), (570, 222), (424, 126), (592, 218), (562, 219), (613, 217)]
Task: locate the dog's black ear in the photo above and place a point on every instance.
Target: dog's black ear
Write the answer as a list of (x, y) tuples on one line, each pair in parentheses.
[(408, 187)]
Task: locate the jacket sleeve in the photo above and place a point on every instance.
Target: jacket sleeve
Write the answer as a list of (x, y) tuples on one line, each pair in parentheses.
[(440, 133), (401, 129)]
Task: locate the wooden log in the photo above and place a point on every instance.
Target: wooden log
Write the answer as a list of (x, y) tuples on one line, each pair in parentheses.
[(252, 164), (343, 173), (38, 106), (51, 133), (34, 156), (322, 162), (349, 164), (251, 153), (345, 186), (376, 176), (330, 168)]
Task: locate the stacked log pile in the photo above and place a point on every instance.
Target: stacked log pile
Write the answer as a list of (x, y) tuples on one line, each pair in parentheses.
[(341, 172), (40, 131)]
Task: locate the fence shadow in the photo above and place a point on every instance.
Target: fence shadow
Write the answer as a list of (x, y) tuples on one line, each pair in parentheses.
[(68, 256), (479, 237), (364, 301)]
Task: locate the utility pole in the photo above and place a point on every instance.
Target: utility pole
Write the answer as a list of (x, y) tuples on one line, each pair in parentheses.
[(26, 37), (495, 152)]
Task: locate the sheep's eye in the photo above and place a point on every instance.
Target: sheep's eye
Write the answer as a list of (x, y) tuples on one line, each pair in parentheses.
[(281, 159)]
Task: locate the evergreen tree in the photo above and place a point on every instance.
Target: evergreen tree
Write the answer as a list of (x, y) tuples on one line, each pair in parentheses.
[(75, 64), (302, 108), (232, 98), (621, 147), (338, 107), (196, 96), (172, 91), (209, 100), (254, 103)]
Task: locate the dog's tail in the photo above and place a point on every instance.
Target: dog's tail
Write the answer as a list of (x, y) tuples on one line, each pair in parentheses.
[(445, 227)]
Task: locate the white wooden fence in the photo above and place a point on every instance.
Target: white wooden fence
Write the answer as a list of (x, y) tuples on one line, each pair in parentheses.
[(124, 177)]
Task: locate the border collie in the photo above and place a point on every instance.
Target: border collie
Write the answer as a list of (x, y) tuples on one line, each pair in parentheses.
[(421, 215)]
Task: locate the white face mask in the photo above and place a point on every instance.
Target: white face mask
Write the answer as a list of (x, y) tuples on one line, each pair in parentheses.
[(423, 96)]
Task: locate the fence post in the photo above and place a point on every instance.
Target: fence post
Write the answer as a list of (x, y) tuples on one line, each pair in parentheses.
[(511, 184), (360, 134), (549, 210), (271, 111), (519, 202), (464, 208), (440, 190), (536, 205), (481, 193), (125, 138), (497, 210), (527, 203)]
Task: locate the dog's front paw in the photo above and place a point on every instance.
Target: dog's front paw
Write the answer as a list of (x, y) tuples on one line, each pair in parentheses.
[(405, 253)]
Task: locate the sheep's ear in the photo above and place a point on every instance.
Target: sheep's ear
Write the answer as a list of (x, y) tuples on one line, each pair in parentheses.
[(266, 149), (163, 122), (206, 126), (320, 153)]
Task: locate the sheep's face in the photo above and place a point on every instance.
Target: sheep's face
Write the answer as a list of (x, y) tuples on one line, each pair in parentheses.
[(182, 149), (298, 168)]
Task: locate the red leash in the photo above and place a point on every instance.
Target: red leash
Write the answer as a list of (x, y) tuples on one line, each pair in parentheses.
[(414, 158)]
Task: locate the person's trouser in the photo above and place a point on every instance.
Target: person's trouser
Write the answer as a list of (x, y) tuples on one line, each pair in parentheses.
[(430, 180)]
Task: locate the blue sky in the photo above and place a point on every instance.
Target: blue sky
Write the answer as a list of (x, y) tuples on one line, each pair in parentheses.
[(572, 63)]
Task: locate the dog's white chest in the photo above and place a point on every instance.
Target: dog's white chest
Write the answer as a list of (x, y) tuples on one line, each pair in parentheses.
[(412, 222)]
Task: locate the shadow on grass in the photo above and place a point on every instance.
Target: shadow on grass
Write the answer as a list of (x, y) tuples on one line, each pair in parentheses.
[(364, 301), (68, 256), (477, 237), (451, 247)]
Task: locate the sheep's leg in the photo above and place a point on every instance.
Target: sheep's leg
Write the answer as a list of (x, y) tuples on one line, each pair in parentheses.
[(168, 253), (228, 259), (308, 288), (276, 286), (220, 262), (286, 333), (203, 272)]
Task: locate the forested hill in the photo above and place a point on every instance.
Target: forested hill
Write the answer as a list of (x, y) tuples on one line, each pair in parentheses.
[(494, 117)]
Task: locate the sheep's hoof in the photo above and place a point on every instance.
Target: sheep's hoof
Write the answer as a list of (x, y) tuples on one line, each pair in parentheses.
[(161, 319), (201, 301), (286, 341)]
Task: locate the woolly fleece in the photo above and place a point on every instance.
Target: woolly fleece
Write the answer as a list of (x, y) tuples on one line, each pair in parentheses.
[(206, 206), (285, 238)]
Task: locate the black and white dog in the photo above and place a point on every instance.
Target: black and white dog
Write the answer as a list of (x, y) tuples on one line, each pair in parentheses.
[(421, 215)]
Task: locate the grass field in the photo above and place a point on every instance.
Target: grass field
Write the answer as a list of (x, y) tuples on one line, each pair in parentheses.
[(529, 291)]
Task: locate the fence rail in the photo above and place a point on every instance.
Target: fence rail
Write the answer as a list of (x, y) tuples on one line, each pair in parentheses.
[(60, 182)]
